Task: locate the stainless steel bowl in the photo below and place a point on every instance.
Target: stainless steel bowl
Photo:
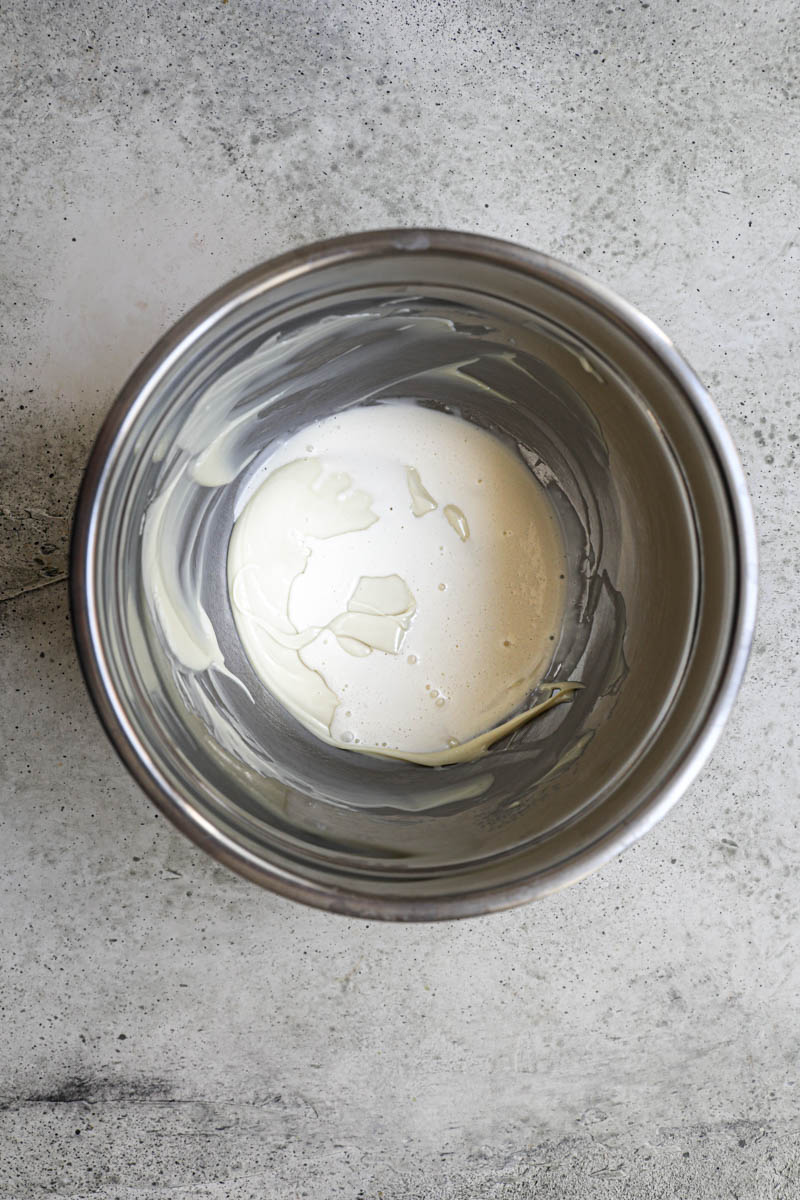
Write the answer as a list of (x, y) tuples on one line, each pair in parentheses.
[(661, 577)]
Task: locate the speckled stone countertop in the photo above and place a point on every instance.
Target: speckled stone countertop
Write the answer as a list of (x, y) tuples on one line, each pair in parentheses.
[(169, 1030)]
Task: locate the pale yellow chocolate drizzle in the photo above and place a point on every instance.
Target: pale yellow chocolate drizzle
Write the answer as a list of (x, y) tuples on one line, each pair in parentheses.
[(422, 501), (475, 747), (457, 520)]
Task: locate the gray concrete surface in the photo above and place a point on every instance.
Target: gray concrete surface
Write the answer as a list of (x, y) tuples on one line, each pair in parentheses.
[(169, 1030)]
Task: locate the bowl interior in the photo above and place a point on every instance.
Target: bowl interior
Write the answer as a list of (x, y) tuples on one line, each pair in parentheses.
[(606, 428)]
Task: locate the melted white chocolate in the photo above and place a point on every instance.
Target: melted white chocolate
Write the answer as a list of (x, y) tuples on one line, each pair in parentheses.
[(382, 633), (422, 501), (457, 520)]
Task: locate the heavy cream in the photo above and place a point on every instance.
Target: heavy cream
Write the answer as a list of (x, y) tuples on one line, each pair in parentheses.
[(396, 578)]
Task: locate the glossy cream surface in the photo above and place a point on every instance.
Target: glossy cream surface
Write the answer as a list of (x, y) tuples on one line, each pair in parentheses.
[(396, 578)]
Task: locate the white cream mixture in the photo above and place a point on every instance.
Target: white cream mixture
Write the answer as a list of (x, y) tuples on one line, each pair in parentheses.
[(396, 577)]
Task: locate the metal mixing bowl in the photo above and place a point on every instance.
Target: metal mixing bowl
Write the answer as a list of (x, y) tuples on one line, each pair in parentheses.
[(661, 572)]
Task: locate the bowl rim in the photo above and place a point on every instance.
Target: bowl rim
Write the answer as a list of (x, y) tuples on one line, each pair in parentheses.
[(83, 600)]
